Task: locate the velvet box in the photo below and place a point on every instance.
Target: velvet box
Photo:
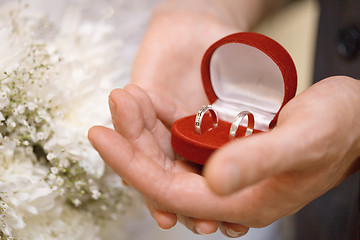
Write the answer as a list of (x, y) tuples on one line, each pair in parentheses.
[(243, 71)]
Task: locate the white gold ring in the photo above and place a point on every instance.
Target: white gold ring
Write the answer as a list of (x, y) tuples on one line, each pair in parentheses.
[(201, 113), (235, 125)]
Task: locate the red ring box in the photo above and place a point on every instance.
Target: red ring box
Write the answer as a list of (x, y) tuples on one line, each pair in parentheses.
[(242, 71)]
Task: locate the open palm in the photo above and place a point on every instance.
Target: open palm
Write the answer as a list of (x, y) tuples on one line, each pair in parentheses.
[(277, 177), (143, 157)]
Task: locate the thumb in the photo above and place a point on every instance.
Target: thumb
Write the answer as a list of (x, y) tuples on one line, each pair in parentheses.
[(249, 160)]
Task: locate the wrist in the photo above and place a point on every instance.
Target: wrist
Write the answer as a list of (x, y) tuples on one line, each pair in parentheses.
[(352, 103), (340, 107), (357, 104), (240, 14), (189, 25), (354, 85), (213, 10)]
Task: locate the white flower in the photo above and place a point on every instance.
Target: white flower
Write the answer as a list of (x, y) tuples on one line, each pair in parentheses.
[(12, 49), (1, 117), (53, 87), (95, 194), (77, 202), (20, 109), (31, 106), (24, 191)]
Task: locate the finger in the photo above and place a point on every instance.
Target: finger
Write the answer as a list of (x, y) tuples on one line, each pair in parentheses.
[(167, 110), (198, 226), (184, 193), (127, 116), (233, 230), (142, 173), (164, 220), (187, 222), (128, 120), (145, 105), (302, 139), (135, 168), (205, 227), (155, 126), (250, 160)]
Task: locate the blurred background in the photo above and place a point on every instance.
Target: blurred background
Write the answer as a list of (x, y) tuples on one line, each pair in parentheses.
[(295, 27)]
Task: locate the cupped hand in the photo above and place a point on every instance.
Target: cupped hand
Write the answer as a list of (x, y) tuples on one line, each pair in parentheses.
[(250, 182), (168, 68), (139, 150)]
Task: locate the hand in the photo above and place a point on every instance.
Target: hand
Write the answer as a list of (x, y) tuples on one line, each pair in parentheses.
[(139, 150), (313, 148), (277, 174), (168, 68), (168, 62)]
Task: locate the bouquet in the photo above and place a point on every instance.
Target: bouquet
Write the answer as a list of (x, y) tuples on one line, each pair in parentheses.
[(54, 84)]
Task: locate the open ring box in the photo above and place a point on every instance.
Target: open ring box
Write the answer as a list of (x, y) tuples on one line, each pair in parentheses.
[(241, 72)]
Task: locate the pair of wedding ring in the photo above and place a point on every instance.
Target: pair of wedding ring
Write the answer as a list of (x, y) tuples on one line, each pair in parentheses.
[(215, 121)]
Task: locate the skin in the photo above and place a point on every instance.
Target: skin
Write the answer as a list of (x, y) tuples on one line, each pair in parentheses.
[(276, 169), (314, 147)]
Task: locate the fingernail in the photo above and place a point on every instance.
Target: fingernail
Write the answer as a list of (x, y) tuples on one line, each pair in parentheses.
[(232, 233), (162, 229), (198, 231), (112, 107)]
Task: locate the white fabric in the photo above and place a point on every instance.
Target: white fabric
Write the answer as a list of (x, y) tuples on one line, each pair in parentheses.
[(245, 78)]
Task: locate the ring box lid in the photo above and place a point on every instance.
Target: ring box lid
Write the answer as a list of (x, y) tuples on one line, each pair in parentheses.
[(248, 71)]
